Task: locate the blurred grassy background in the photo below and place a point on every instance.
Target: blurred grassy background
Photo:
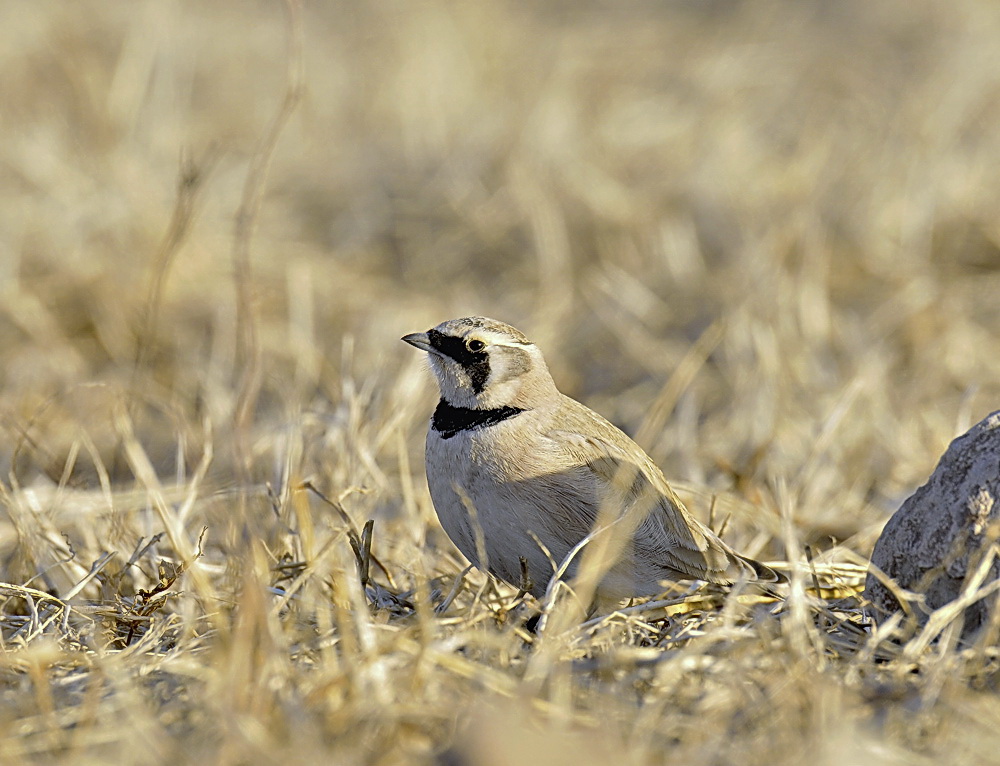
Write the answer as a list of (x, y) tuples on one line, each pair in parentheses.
[(777, 220)]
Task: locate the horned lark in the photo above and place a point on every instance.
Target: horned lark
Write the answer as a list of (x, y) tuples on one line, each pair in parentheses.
[(521, 474)]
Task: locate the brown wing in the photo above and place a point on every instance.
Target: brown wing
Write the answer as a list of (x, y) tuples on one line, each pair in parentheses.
[(666, 538)]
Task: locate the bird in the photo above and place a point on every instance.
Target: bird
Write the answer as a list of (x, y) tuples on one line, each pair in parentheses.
[(521, 474)]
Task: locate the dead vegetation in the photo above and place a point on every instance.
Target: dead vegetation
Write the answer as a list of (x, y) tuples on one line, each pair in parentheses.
[(759, 236)]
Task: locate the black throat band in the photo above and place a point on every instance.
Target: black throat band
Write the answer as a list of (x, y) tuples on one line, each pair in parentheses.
[(449, 420)]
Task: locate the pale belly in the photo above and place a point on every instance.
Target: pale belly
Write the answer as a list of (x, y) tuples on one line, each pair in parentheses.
[(483, 506)]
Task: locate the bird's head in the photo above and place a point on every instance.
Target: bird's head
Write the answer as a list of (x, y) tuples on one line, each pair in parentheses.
[(481, 363)]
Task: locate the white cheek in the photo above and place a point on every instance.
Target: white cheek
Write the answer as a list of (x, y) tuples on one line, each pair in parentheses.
[(452, 380)]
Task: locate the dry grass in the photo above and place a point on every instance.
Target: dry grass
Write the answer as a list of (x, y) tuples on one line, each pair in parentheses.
[(761, 236)]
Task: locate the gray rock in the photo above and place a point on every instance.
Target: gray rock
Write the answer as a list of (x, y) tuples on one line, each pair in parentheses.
[(942, 530)]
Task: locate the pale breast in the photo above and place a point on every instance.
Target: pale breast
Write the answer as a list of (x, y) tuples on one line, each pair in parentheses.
[(490, 480)]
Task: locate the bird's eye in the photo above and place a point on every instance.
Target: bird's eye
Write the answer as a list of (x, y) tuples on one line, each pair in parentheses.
[(476, 345)]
